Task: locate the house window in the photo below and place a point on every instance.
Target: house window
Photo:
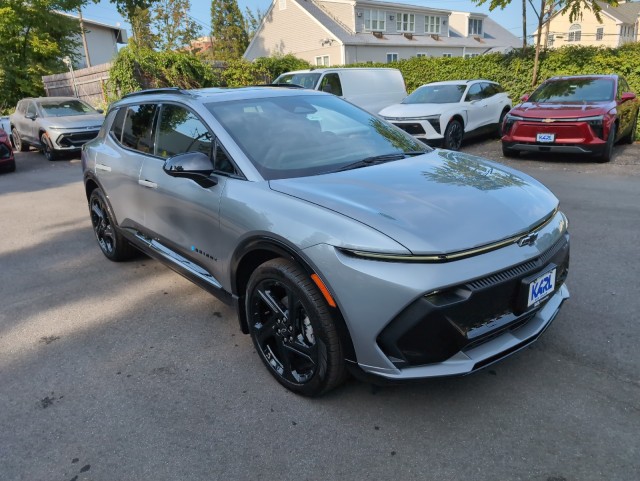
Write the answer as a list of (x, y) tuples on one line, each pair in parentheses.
[(406, 22), (282, 4), (421, 54), (374, 20), (392, 57), (471, 55), (550, 39), (431, 24), (475, 26), (322, 61), (575, 33), (599, 33), (448, 55)]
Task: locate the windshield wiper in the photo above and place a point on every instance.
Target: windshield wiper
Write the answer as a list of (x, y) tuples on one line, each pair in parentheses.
[(379, 159)]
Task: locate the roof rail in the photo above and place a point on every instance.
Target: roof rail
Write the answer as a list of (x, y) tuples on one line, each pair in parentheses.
[(165, 90), (281, 85)]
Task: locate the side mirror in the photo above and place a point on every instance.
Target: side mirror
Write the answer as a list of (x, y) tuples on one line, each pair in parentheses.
[(626, 96), (525, 97), (100, 111), (191, 165), (30, 116)]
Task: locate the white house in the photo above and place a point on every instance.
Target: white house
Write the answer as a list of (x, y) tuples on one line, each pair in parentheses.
[(339, 32)]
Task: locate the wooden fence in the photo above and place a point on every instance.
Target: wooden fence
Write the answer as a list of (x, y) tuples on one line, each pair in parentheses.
[(89, 84)]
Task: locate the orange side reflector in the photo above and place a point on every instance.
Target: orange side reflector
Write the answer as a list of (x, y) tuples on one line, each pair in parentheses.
[(323, 289)]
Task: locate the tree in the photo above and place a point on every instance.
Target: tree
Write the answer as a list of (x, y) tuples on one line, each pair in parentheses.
[(173, 25), (572, 7), (228, 30), (140, 22), (34, 41), (252, 21), (131, 10)]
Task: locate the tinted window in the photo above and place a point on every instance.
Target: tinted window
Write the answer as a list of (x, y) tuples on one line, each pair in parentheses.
[(436, 94), (116, 128), (331, 83), (489, 90), (306, 80), (31, 109), (474, 93), (181, 131), (575, 90), (138, 127), (622, 87)]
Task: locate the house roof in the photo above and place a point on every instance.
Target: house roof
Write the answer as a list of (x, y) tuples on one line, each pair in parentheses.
[(494, 35), (625, 12), (121, 33)]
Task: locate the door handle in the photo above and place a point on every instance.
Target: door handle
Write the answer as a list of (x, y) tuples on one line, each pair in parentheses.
[(103, 167), (146, 183)]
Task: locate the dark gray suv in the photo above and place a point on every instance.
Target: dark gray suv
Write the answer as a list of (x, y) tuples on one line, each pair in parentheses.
[(344, 243)]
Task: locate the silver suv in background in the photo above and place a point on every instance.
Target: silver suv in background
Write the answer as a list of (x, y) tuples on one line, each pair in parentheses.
[(55, 125), (343, 242)]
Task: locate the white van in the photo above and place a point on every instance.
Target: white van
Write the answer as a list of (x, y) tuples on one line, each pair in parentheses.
[(369, 88)]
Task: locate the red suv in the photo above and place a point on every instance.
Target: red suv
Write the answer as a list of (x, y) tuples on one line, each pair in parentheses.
[(579, 115)]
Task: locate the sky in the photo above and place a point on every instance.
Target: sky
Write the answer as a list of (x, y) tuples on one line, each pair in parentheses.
[(510, 18)]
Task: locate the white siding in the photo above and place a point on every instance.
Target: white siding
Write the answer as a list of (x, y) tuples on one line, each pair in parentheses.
[(341, 11), (293, 31)]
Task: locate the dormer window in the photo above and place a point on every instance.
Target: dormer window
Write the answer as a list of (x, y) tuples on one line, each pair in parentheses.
[(475, 26), (432, 24), (374, 20), (406, 22)]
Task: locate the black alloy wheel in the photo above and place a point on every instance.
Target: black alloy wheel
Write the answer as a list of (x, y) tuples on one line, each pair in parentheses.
[(292, 328), (48, 152), (111, 242), (453, 135), (607, 153), (17, 141)]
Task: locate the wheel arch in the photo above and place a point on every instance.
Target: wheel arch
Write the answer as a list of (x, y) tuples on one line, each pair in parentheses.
[(459, 117), (254, 252)]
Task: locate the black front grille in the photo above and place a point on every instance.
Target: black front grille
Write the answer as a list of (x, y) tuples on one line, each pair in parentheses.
[(413, 129), (77, 139), (436, 326)]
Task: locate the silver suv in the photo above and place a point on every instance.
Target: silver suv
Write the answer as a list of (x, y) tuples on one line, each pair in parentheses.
[(55, 125), (344, 243)]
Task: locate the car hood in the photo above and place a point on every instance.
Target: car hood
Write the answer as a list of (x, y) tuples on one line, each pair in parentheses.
[(93, 121), (561, 110), (415, 110), (437, 203)]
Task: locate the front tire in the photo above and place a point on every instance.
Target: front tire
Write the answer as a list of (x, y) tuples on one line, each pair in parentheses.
[(19, 144), (453, 135), (293, 330), (607, 154), (48, 152), (112, 244)]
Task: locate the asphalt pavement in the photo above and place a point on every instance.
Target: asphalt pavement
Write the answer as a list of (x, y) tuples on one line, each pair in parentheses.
[(127, 371)]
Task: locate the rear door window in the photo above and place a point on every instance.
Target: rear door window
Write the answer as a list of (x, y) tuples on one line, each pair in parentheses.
[(331, 83)]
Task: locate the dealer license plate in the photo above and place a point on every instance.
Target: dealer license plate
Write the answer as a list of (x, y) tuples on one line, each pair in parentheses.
[(541, 287), (546, 138)]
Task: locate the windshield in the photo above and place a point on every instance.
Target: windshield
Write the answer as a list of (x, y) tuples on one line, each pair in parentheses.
[(575, 90), (436, 94), (307, 80), (63, 108), (297, 136)]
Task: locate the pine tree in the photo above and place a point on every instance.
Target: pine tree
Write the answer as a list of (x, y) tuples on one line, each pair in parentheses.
[(228, 30)]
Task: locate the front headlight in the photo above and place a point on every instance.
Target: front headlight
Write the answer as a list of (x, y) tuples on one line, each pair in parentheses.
[(509, 120)]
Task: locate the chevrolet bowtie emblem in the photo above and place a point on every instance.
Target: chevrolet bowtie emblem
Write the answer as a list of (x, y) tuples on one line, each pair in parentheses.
[(528, 240), (548, 121)]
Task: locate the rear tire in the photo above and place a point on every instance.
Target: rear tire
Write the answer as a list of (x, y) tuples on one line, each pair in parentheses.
[(20, 145), (631, 137), (500, 122), (293, 329), (607, 154), (112, 243)]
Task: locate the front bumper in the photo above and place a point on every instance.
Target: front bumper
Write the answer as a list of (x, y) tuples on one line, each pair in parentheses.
[(397, 335), (576, 137), (71, 140), (428, 131)]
